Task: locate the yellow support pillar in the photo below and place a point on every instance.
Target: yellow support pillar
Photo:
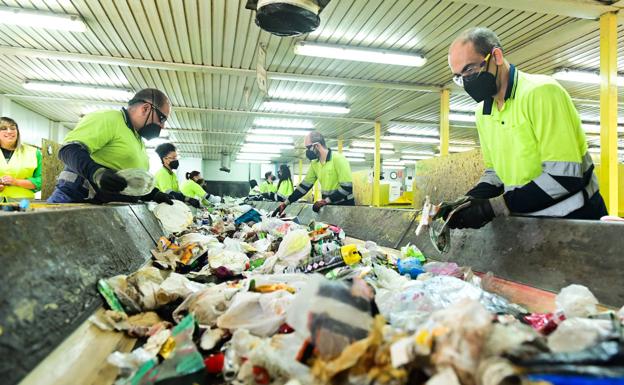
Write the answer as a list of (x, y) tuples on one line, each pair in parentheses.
[(445, 109), (608, 111), (377, 166), (340, 142), (300, 171)]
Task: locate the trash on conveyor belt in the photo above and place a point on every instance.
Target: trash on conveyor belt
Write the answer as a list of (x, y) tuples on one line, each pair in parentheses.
[(234, 295)]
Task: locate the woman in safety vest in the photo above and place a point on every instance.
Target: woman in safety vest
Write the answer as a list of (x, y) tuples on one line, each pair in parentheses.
[(20, 166), (285, 184)]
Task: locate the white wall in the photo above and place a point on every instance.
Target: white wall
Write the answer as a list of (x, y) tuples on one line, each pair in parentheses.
[(33, 126)]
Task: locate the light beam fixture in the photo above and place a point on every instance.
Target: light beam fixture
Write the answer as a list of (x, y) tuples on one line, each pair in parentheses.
[(78, 89), (41, 19), (368, 55)]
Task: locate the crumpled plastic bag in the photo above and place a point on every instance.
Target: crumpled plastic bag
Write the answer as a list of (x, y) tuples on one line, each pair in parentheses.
[(443, 268), (576, 301), (137, 292), (412, 305), (235, 261), (176, 286), (330, 315), (468, 324), (388, 278), (261, 314), (207, 305), (294, 248), (576, 334), (206, 242)]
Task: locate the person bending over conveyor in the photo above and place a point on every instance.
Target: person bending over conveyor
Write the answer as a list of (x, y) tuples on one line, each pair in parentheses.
[(107, 141), (533, 144), (254, 189), (333, 172), (192, 188), (165, 179), (285, 185), (20, 165)]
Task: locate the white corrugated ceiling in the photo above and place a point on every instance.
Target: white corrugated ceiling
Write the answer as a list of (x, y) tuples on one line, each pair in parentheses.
[(215, 96)]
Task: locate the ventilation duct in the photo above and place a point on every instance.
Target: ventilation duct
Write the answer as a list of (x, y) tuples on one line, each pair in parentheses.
[(225, 162)]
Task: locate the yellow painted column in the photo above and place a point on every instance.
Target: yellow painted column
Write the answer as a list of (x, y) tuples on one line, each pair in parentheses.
[(608, 112), (377, 166), (300, 171), (340, 142), (445, 109)]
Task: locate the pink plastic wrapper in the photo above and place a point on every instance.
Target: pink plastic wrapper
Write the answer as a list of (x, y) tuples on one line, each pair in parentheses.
[(544, 323), (444, 268)]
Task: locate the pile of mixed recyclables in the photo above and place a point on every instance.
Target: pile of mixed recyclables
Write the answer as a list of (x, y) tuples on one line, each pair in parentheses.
[(241, 297)]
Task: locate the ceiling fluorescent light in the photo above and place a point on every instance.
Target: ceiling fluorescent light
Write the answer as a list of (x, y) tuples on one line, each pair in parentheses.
[(268, 139), (253, 161), (41, 19), (418, 152), (305, 107), (415, 157), (460, 149), (355, 160), (361, 143), (411, 139), (351, 154), (286, 123), (371, 151), (581, 76), (257, 156), (594, 128), (264, 150), (360, 54), (459, 117), (278, 131), (266, 147), (78, 89)]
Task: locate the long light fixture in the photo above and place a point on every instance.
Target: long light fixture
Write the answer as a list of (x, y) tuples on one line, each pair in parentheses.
[(268, 139), (594, 128), (462, 117), (279, 131), (411, 139), (253, 161), (41, 19), (580, 76), (250, 156), (460, 148), (264, 147), (352, 154), (260, 150), (290, 94), (371, 150), (355, 160), (78, 89), (365, 144), (286, 123), (418, 152), (415, 157), (305, 107), (359, 54)]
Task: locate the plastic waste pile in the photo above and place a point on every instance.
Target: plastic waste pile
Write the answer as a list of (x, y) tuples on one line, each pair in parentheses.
[(239, 297)]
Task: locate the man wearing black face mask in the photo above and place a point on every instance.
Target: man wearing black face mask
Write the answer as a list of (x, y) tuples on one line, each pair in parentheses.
[(533, 144), (331, 169), (107, 141)]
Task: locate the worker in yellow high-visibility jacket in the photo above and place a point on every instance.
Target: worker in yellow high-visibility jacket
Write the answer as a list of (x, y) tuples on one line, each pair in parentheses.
[(20, 165)]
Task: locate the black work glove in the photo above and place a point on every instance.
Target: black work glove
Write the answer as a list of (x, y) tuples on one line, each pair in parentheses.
[(279, 211), (318, 205), (479, 213), (108, 180), (161, 197), (192, 202), (177, 196)]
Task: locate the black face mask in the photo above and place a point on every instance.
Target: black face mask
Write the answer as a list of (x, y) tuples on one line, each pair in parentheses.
[(311, 155), (174, 164), (484, 86), (199, 181), (151, 130)]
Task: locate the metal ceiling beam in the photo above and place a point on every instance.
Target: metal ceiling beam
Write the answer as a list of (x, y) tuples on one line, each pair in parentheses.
[(580, 9), (167, 66)]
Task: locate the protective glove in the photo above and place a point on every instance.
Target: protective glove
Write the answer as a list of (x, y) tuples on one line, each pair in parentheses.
[(161, 197), (177, 196), (192, 202), (108, 180), (318, 205), (279, 211), (478, 213)]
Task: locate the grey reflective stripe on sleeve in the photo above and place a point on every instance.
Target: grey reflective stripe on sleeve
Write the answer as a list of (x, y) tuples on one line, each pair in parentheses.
[(328, 192), (550, 186), (343, 191), (563, 169), (490, 177), (562, 208), (346, 184), (68, 176)]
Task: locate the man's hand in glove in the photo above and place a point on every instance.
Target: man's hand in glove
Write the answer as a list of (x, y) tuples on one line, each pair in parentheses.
[(479, 213), (192, 202), (108, 180), (161, 197), (318, 205)]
